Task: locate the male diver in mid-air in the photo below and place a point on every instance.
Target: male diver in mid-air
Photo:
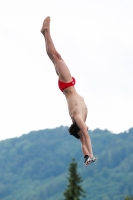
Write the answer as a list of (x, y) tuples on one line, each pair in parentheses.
[(76, 105)]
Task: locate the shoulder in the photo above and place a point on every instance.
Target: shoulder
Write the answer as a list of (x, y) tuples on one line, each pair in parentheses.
[(79, 121)]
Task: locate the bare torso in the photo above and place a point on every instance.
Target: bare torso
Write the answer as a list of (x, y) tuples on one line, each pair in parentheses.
[(76, 104)]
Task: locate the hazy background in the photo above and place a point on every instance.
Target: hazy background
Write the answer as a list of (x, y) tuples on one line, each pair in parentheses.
[(94, 37)]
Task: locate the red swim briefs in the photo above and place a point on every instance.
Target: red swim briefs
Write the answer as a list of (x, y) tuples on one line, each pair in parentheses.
[(63, 85)]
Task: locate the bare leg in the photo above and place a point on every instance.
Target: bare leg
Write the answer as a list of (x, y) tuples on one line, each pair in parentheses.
[(60, 66)]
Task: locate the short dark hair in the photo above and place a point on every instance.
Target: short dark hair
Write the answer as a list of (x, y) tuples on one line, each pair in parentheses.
[(74, 129)]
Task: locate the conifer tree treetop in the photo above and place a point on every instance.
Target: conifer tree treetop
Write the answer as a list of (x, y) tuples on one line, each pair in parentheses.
[(74, 188)]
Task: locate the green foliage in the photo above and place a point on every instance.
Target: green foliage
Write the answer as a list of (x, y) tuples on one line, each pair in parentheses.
[(128, 198), (74, 189), (34, 166)]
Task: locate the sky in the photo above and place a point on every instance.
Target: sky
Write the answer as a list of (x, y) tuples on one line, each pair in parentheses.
[(94, 37)]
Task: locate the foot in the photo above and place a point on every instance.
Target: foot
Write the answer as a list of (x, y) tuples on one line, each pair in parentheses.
[(45, 26)]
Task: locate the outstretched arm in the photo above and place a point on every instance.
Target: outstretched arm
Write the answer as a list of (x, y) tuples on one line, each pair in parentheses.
[(83, 145), (85, 138)]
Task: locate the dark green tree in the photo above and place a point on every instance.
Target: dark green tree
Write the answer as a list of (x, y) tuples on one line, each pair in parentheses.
[(128, 198), (74, 189)]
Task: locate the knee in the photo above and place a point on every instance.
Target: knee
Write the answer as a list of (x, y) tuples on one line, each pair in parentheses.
[(54, 55), (51, 54)]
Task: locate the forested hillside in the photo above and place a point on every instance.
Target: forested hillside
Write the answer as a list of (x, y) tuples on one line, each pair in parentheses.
[(35, 165)]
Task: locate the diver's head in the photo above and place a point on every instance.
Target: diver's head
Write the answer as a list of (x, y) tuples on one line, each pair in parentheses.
[(74, 130)]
